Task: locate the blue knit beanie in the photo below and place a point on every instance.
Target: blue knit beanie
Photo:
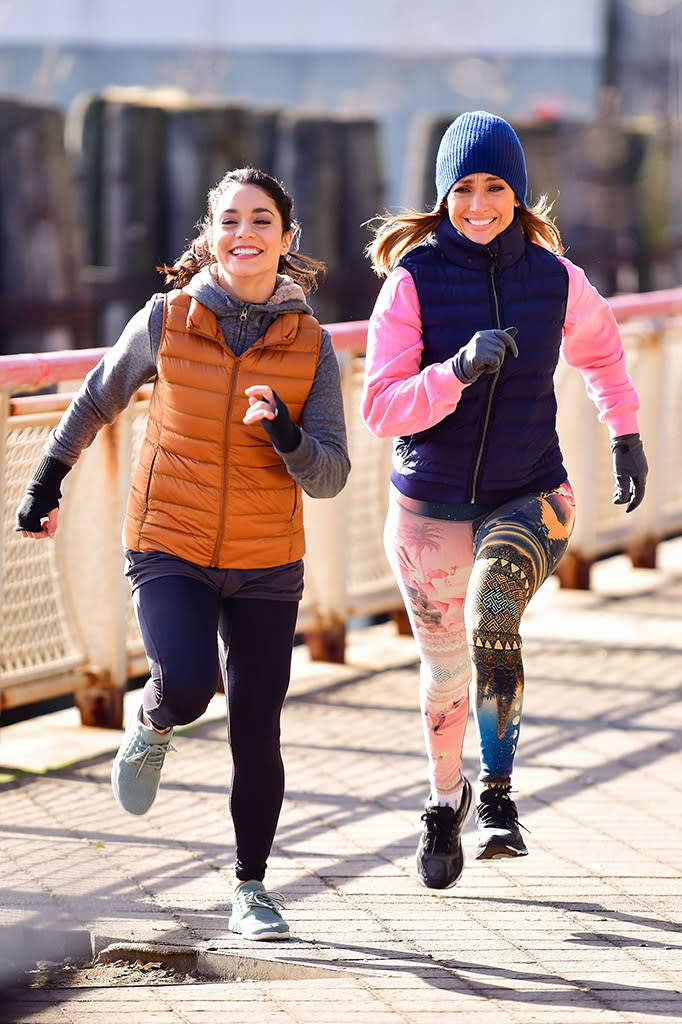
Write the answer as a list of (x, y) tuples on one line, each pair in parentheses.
[(479, 142)]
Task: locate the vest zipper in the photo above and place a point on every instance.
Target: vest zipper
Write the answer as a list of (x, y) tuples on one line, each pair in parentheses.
[(492, 387), (226, 438), (243, 317)]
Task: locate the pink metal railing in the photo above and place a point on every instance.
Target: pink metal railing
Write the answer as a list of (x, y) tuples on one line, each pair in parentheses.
[(347, 574), (37, 370)]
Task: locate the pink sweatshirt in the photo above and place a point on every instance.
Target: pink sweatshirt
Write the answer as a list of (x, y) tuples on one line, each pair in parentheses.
[(399, 398)]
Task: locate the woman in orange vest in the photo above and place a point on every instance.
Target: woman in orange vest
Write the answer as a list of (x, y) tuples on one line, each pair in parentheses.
[(246, 411)]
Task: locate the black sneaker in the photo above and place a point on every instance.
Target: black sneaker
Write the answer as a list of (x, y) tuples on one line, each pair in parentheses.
[(439, 855), (498, 826)]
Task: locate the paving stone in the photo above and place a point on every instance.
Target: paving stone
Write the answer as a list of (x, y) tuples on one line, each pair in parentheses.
[(585, 929)]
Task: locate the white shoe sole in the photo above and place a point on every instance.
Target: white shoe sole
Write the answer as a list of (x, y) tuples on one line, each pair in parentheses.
[(265, 937)]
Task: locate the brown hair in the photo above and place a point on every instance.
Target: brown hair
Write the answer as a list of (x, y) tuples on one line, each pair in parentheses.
[(395, 235), (302, 269)]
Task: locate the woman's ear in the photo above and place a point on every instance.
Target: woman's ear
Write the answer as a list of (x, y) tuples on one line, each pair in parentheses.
[(287, 239)]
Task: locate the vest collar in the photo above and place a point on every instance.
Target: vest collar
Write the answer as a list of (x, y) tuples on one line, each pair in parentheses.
[(195, 318), (507, 248), (202, 321), (281, 330)]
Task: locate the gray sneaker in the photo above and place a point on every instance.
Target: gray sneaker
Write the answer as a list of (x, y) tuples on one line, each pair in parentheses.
[(256, 913), (136, 770)]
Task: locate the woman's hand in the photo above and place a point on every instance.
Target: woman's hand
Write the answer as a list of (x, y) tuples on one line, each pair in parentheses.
[(49, 526), (630, 468), (262, 404), (266, 405), (484, 354), (38, 512)]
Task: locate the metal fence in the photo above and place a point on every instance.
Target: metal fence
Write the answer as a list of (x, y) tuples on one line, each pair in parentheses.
[(66, 619)]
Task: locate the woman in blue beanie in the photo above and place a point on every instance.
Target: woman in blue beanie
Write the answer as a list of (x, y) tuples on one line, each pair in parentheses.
[(478, 305)]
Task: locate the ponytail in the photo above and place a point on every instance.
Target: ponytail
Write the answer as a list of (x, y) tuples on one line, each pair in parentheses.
[(193, 259), (395, 235)]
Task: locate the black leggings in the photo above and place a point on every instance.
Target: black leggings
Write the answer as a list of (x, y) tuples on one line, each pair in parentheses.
[(180, 619)]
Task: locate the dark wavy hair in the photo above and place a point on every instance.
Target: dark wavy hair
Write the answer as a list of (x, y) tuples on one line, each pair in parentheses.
[(302, 269)]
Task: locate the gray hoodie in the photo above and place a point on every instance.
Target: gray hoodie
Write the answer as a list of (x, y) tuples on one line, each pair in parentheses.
[(320, 463)]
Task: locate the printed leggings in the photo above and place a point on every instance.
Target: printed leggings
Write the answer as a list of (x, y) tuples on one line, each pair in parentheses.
[(186, 628), (465, 586)]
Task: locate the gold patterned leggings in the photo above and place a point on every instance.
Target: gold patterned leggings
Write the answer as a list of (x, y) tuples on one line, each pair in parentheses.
[(465, 586)]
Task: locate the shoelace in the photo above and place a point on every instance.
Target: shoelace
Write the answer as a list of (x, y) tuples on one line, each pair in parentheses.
[(438, 833), (501, 810), (151, 755), (270, 900)]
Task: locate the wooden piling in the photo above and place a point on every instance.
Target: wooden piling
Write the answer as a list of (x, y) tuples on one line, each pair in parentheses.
[(41, 245)]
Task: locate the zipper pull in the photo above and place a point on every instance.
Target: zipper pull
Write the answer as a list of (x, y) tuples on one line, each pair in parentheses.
[(244, 314)]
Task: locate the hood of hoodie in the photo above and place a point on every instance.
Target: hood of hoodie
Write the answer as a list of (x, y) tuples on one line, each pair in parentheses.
[(243, 323)]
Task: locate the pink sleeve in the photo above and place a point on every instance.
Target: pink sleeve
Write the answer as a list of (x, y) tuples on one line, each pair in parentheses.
[(398, 397), (592, 344)]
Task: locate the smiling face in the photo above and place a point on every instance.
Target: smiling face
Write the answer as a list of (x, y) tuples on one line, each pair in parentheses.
[(481, 206), (247, 241)]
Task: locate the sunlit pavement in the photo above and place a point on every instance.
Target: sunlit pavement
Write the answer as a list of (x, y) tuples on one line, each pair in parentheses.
[(586, 928)]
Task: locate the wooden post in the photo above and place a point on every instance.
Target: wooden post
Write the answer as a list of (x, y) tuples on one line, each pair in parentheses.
[(331, 167), (116, 139), (40, 236), (308, 164), (202, 143)]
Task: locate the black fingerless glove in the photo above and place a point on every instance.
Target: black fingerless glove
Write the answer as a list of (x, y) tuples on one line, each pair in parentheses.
[(42, 494), (282, 431), (630, 469)]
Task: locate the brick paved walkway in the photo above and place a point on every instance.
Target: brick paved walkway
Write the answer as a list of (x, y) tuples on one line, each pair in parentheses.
[(587, 928)]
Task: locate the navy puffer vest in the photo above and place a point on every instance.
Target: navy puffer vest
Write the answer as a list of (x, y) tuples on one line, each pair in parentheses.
[(500, 442)]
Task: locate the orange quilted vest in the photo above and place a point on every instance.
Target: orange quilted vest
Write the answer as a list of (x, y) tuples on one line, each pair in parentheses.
[(207, 487)]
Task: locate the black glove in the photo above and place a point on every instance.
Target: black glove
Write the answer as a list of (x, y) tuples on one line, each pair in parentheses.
[(42, 494), (484, 354), (630, 469), (282, 431)]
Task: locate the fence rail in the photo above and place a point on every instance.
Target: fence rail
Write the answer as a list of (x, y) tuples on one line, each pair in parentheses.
[(66, 617)]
